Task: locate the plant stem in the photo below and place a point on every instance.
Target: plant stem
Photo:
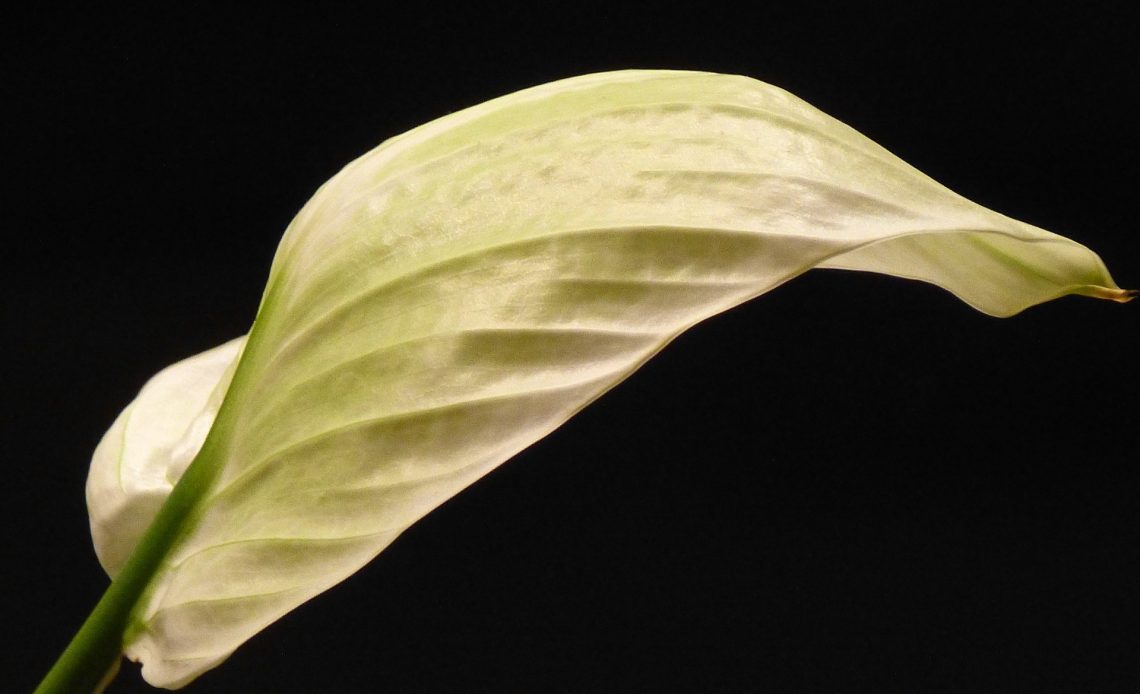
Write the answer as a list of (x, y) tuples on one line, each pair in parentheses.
[(92, 657), (93, 652)]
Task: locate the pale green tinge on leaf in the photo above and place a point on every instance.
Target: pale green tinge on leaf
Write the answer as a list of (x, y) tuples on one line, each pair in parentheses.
[(460, 291)]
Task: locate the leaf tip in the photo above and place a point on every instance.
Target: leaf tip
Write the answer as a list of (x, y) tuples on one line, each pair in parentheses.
[(1120, 296)]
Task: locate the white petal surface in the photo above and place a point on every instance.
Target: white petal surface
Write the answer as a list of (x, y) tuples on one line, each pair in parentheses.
[(149, 446), (459, 292)]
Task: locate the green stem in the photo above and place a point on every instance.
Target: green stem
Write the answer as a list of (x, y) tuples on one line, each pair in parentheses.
[(92, 658), (93, 654)]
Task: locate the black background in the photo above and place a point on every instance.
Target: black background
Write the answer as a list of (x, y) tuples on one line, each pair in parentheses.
[(854, 483)]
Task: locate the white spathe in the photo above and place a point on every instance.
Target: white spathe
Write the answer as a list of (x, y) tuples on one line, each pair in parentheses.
[(462, 290)]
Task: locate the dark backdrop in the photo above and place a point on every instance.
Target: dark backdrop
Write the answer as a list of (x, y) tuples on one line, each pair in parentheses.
[(854, 483)]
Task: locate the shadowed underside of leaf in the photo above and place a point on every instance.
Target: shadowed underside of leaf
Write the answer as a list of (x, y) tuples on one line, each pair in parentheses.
[(460, 291)]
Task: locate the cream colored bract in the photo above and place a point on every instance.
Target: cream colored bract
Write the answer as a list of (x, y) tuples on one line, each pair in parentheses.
[(460, 291)]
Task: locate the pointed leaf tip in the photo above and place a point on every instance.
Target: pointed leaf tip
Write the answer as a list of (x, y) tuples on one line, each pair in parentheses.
[(1120, 296), (1126, 295)]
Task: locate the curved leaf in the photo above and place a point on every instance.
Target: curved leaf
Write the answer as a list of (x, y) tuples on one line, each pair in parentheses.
[(460, 291)]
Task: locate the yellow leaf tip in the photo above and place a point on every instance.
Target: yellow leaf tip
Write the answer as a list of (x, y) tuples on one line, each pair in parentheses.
[(1121, 296)]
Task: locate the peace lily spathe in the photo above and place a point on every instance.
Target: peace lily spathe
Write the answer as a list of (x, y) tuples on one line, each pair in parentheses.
[(460, 291)]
